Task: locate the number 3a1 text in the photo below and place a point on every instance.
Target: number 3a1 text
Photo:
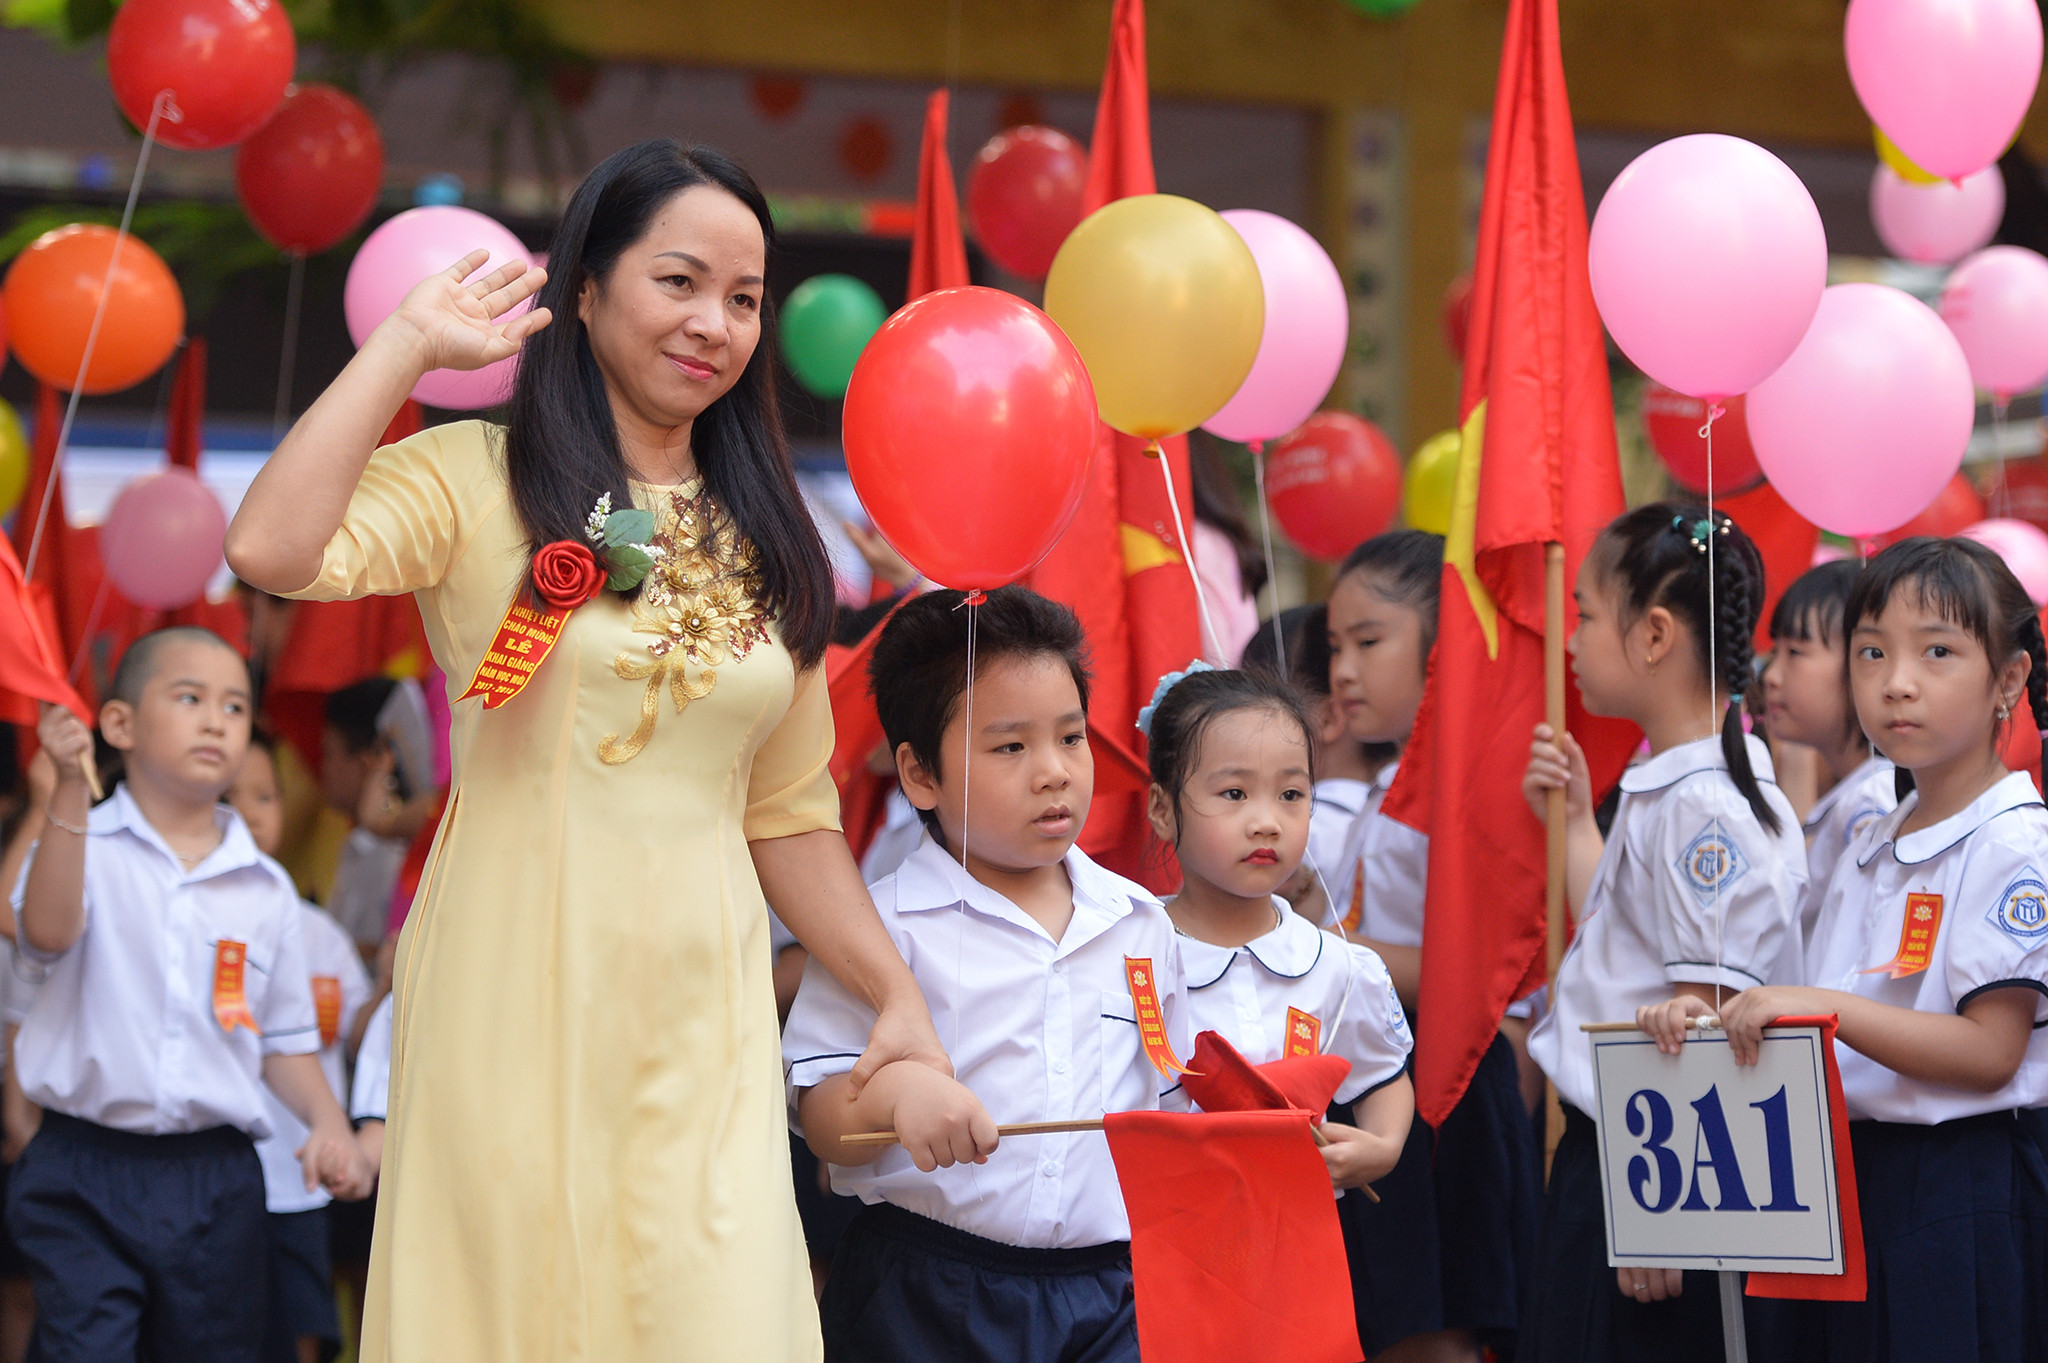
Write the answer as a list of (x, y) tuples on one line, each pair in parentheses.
[(1650, 1120)]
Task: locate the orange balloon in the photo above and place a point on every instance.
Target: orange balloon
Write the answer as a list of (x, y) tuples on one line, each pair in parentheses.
[(53, 287)]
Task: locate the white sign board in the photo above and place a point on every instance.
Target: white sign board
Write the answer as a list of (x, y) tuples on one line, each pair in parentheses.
[(1708, 1164)]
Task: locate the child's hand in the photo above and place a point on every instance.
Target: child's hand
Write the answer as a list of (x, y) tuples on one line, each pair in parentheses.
[(1552, 767), (1356, 1158), (1746, 1015), (332, 1160), (1665, 1022), (938, 1120), (370, 1140), (883, 560), (68, 742), (1649, 1284)]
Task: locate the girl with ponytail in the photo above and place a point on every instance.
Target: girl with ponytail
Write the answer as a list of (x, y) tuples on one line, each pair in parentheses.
[(1694, 891), (1932, 949)]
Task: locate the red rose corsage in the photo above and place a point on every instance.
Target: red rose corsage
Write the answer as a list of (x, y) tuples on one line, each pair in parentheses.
[(567, 574)]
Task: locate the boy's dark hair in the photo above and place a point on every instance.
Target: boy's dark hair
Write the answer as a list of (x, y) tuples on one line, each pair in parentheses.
[(1811, 607), (918, 671), (352, 712), (138, 665), (1405, 567), (1196, 702), (1657, 555), (1305, 636), (1969, 586)]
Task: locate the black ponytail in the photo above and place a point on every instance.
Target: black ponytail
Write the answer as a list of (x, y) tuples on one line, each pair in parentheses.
[(1661, 555), (1971, 587)]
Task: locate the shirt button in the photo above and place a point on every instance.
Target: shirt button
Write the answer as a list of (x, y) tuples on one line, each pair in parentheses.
[(1059, 1067), (1049, 1169)]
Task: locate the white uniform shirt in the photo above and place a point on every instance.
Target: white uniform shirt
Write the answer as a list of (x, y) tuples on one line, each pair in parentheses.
[(1690, 887), (1348, 888), (1039, 1030), (1334, 808), (1987, 864), (370, 1099), (329, 955), (1244, 995), (1854, 803), (122, 1031), (901, 831)]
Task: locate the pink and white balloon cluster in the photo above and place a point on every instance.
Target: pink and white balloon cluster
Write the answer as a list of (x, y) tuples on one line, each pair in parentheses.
[(1709, 266)]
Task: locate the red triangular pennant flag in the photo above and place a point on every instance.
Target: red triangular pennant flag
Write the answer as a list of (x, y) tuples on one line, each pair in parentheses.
[(1852, 1284), (938, 251), (1222, 1080), (1539, 467), (1122, 565), (1235, 1248), (31, 670)]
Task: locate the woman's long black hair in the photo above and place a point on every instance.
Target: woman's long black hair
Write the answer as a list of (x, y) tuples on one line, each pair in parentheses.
[(562, 445), (1656, 555)]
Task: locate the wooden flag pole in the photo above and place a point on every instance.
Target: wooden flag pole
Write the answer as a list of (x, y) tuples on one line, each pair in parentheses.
[(1553, 811)]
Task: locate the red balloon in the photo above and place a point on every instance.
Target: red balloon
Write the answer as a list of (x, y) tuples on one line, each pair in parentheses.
[(968, 426), (1674, 421), (1954, 509), (1334, 483), (311, 175), (1024, 197), (225, 64)]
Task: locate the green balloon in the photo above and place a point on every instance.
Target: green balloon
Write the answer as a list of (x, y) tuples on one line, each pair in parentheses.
[(1382, 9), (826, 323)]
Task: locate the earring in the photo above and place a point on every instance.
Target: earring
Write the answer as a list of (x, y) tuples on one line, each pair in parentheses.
[(2004, 712)]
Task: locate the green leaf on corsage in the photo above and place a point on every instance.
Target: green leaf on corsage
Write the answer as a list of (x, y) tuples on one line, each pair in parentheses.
[(631, 526), (629, 564)]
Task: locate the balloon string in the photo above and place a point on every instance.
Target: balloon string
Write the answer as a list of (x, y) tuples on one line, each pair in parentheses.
[(1266, 539), (973, 604), (163, 107), (1714, 410), (288, 353), (2001, 494), (1187, 546)]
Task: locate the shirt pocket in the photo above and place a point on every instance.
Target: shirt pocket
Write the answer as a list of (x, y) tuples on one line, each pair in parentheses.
[(1126, 1073)]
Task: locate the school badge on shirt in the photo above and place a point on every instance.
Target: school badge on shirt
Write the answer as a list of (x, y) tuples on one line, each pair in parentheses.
[(230, 996), (1916, 938), (1711, 863), (2022, 910), (1304, 1032)]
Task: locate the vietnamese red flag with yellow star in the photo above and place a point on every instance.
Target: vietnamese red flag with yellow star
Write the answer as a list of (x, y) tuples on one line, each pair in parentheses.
[(1538, 466), (1122, 564)]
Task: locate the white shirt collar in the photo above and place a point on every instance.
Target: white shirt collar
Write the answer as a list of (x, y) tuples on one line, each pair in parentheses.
[(1840, 789), (1285, 952), (1673, 765), (1383, 779), (236, 851), (2014, 791), (930, 878)]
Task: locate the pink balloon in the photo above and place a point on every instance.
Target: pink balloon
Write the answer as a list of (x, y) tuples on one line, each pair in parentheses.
[(1947, 80), (1708, 260), (1936, 224), (161, 541), (2024, 549), (1996, 303), (1308, 322), (1868, 419), (405, 250)]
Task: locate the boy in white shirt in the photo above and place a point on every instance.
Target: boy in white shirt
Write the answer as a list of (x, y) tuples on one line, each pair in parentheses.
[(174, 990), (1037, 964), (304, 1321)]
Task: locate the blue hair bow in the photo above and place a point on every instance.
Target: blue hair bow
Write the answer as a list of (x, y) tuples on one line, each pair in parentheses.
[(1167, 683)]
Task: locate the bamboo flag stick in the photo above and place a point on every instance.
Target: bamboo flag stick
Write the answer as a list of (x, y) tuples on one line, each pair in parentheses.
[(1553, 809)]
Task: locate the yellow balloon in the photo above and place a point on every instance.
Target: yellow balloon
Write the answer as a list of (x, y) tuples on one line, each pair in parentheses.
[(1162, 298), (1901, 164), (13, 460), (1431, 482)]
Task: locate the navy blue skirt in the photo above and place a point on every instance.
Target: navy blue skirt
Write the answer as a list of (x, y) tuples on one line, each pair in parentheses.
[(1575, 1313), (1955, 1233), (1447, 1246)]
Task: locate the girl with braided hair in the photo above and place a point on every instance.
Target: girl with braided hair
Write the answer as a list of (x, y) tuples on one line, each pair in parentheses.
[(1695, 890), (1932, 948)]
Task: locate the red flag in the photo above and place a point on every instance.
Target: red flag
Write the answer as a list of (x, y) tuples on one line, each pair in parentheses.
[(1235, 1247), (938, 253), (31, 669), (1852, 1284), (1222, 1080), (1122, 565), (1538, 466)]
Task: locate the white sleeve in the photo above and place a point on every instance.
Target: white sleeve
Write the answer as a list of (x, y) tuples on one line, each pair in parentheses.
[(827, 1030), (289, 1022), (1999, 933), (1370, 1029), (1727, 900), (370, 1098)]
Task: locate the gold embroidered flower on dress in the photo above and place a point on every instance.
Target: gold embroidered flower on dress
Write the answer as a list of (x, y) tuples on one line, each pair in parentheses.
[(700, 605)]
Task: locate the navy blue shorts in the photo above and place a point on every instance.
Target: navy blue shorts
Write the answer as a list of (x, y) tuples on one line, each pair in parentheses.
[(1447, 1246), (1575, 1312), (905, 1289), (825, 1214), (301, 1286), (1954, 1222), (157, 1246)]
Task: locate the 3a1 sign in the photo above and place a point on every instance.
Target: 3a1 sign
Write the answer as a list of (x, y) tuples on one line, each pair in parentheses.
[(1713, 1165)]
